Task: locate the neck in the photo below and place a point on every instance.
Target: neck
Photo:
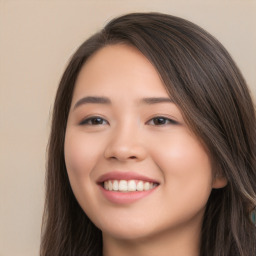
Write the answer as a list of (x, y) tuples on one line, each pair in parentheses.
[(179, 243)]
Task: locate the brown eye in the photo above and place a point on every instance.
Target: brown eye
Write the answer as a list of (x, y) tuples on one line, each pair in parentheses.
[(94, 121), (161, 121)]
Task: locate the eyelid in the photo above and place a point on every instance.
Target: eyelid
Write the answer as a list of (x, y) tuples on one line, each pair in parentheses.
[(86, 120), (171, 120)]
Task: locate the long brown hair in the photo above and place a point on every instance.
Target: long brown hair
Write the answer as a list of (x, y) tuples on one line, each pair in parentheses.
[(209, 89)]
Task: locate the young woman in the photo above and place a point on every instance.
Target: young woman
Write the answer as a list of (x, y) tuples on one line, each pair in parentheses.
[(152, 148)]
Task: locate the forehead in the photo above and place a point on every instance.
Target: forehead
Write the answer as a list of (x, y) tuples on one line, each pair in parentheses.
[(119, 67)]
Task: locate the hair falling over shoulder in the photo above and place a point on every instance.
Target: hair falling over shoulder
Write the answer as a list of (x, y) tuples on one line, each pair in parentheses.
[(211, 92)]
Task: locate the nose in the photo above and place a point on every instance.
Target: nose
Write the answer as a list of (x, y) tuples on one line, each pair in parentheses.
[(125, 144)]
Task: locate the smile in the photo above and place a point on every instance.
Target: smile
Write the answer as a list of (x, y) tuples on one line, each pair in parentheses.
[(128, 185)]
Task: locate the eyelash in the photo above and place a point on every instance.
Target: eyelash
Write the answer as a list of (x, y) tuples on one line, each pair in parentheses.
[(96, 120), (90, 120), (163, 121)]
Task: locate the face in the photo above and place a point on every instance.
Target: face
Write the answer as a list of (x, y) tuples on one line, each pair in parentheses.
[(134, 166)]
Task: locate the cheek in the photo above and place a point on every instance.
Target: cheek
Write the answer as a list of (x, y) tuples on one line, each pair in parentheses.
[(80, 152), (186, 168), (80, 157), (74, 156)]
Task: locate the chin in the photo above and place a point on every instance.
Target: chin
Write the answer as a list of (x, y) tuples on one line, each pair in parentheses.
[(128, 232)]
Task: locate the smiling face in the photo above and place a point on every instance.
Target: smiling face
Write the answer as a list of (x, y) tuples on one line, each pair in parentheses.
[(134, 166)]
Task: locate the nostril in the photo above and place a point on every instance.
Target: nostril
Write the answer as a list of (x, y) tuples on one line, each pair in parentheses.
[(122, 152)]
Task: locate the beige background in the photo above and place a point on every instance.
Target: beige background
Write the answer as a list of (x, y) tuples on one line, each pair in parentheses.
[(36, 40)]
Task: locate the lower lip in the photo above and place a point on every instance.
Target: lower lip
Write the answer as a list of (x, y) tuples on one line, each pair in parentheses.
[(125, 197)]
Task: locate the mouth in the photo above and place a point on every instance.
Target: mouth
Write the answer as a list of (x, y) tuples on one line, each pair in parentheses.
[(126, 186)]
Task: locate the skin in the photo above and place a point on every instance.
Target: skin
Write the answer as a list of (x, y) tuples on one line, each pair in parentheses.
[(128, 136)]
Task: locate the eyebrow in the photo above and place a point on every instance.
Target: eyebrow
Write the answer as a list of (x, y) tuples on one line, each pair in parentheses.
[(155, 100), (105, 100), (92, 99)]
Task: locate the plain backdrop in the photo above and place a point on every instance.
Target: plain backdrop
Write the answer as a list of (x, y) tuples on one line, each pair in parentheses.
[(37, 38)]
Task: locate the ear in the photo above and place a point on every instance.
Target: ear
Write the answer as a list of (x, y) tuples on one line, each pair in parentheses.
[(219, 181)]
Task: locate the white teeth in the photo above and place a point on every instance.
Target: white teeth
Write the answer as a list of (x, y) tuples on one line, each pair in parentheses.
[(146, 186), (115, 185), (122, 185), (106, 185), (131, 185), (110, 185), (140, 186)]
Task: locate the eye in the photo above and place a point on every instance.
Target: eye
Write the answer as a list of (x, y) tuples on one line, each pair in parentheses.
[(160, 120), (94, 120)]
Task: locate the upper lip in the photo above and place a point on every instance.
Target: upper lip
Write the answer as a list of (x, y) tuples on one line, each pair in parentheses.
[(117, 175)]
